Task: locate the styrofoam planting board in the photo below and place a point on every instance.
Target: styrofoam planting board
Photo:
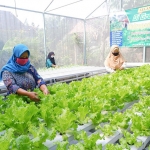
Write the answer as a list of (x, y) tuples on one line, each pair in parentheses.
[(87, 127), (110, 139), (2, 132), (127, 105), (51, 144), (147, 148), (144, 140), (90, 126), (71, 71), (117, 135), (54, 147)]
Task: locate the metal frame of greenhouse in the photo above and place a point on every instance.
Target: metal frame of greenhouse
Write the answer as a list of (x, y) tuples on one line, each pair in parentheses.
[(79, 72), (88, 16), (45, 12)]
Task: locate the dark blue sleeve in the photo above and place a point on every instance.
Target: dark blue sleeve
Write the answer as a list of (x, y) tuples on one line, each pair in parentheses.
[(36, 76)]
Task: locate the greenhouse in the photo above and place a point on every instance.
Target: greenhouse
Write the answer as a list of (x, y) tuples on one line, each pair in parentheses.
[(76, 104)]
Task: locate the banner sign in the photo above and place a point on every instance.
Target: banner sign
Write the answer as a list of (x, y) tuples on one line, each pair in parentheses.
[(130, 28)]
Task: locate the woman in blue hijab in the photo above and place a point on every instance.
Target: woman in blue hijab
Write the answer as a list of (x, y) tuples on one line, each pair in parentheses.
[(19, 76)]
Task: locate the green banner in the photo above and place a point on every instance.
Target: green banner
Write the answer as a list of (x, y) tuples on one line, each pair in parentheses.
[(138, 14), (130, 28)]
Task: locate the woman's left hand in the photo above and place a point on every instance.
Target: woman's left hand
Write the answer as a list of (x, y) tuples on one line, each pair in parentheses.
[(44, 89), (46, 92)]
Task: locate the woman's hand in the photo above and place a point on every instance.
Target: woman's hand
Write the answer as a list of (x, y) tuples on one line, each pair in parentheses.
[(33, 96), (121, 68), (45, 91), (55, 66)]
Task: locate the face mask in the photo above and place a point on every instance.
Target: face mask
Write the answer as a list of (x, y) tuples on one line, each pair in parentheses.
[(52, 56), (22, 61), (115, 54)]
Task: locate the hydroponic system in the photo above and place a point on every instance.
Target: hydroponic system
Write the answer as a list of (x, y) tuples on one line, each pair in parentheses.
[(87, 108), (101, 111)]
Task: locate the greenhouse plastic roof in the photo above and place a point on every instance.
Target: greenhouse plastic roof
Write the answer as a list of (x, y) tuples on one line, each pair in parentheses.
[(81, 9)]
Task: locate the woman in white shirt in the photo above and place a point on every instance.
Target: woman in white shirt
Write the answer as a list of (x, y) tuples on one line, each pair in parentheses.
[(114, 60)]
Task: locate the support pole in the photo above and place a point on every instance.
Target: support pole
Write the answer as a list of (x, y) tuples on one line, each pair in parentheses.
[(121, 5), (144, 53), (44, 37), (84, 44)]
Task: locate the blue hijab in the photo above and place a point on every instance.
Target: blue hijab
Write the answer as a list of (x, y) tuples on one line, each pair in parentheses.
[(14, 67)]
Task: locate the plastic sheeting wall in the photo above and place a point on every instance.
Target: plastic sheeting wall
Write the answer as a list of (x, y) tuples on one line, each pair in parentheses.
[(15, 30), (64, 36), (97, 40)]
